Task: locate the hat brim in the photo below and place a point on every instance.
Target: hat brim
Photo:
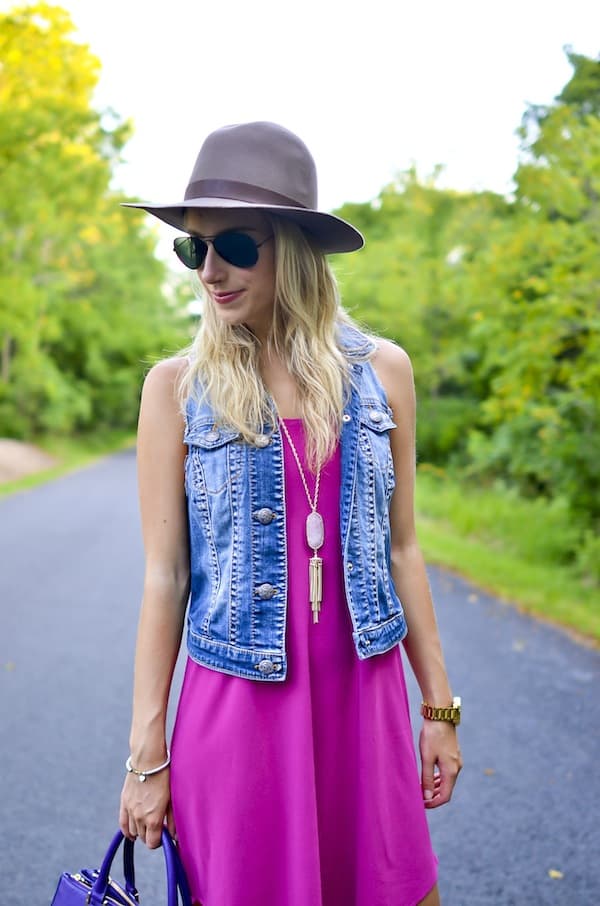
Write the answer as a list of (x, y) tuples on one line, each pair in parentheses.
[(330, 233)]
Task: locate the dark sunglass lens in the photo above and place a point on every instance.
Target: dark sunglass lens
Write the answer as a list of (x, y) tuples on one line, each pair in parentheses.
[(237, 249), (190, 250)]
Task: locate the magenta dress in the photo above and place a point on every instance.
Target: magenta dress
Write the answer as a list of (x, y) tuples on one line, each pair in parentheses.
[(306, 792)]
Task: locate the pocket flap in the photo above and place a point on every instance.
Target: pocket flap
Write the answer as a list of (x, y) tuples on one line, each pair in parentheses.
[(376, 416), (206, 434)]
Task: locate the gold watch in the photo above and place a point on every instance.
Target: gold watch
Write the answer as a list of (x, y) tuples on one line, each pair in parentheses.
[(451, 714)]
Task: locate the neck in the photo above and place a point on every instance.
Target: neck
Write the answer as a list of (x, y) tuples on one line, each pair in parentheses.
[(281, 385), (262, 332)]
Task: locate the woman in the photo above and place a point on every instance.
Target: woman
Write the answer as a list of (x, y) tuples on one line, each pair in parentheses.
[(276, 468)]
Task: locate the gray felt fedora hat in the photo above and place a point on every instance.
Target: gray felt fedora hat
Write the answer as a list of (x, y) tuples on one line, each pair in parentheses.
[(259, 165)]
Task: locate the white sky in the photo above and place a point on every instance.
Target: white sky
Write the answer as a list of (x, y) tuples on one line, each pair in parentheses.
[(371, 87)]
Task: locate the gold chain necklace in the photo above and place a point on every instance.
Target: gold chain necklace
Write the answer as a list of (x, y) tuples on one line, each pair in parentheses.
[(315, 532)]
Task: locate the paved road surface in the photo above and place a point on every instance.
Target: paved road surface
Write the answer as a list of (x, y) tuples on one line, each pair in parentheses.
[(70, 576)]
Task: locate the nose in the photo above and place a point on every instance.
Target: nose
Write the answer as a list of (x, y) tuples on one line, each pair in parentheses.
[(212, 270)]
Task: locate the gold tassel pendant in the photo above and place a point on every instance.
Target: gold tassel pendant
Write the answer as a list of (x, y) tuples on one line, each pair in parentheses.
[(316, 585)]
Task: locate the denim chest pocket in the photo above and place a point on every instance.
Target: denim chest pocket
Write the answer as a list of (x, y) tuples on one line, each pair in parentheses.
[(209, 466), (374, 439)]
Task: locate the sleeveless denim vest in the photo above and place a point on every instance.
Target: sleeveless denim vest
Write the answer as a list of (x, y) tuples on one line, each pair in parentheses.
[(237, 528)]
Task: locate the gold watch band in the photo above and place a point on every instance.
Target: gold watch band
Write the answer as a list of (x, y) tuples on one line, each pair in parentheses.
[(450, 714)]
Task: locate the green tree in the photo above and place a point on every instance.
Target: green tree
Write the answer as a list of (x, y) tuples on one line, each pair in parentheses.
[(81, 303), (539, 343), (497, 303), (409, 284)]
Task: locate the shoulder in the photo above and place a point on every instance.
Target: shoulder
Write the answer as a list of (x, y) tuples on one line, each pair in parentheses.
[(160, 393), (389, 355), (163, 377), (167, 372), (394, 369)]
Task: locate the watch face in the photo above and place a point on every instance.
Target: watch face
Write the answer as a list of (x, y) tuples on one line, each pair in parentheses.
[(456, 705)]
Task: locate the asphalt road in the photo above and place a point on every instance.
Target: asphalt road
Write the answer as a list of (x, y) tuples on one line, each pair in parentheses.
[(523, 827)]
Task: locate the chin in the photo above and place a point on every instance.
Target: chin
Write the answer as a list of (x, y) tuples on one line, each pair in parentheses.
[(230, 318)]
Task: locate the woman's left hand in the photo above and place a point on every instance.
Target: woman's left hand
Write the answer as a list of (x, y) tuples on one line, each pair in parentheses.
[(441, 761)]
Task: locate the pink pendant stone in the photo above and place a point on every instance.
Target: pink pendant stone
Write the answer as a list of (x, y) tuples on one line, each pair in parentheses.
[(315, 530)]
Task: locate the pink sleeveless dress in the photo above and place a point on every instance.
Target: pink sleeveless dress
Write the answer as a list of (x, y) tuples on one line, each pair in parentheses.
[(306, 792)]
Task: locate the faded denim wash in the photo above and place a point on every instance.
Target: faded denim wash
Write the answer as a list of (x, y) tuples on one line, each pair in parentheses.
[(236, 506)]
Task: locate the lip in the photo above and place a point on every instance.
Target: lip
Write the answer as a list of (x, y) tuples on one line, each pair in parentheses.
[(226, 298)]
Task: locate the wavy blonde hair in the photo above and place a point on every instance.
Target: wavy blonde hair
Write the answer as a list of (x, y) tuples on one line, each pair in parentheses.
[(224, 359)]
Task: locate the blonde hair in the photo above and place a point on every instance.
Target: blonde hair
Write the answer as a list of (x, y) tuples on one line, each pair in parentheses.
[(224, 359)]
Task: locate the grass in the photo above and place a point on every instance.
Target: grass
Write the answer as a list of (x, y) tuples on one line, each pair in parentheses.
[(511, 547), (70, 454)]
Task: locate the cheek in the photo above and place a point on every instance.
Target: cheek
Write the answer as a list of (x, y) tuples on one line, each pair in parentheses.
[(267, 298), (269, 287), (263, 286), (266, 272)]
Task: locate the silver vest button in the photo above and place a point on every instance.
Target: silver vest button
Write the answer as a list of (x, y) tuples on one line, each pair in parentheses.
[(266, 667), (262, 440), (346, 418), (211, 436), (266, 591), (375, 416), (264, 515)]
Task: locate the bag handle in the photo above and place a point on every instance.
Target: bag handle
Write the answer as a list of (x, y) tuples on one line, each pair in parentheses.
[(176, 879), (129, 870)]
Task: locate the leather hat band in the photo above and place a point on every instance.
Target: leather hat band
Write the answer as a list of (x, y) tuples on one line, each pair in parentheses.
[(239, 191)]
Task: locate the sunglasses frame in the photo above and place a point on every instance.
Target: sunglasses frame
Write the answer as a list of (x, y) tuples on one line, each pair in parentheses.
[(203, 244)]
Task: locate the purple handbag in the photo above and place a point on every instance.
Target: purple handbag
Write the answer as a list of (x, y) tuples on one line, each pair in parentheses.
[(96, 888)]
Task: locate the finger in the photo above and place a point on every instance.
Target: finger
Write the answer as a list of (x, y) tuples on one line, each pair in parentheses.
[(445, 782), (153, 836), (125, 824), (171, 822), (428, 779), (434, 801)]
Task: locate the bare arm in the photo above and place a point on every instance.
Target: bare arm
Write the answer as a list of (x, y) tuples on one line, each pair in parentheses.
[(160, 454), (422, 645)]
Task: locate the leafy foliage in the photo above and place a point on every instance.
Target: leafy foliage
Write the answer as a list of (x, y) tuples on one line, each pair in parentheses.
[(497, 302), (81, 302)]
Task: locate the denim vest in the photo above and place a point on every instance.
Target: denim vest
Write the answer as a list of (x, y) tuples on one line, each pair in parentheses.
[(237, 529)]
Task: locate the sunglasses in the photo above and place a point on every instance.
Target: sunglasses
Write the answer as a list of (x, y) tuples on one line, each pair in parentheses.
[(233, 247)]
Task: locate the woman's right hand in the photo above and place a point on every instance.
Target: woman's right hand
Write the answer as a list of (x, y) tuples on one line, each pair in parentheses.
[(145, 807)]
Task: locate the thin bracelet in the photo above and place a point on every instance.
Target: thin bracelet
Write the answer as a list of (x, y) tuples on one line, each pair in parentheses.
[(141, 775)]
